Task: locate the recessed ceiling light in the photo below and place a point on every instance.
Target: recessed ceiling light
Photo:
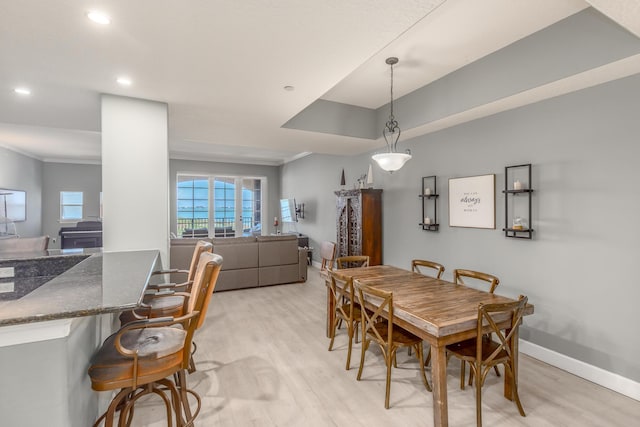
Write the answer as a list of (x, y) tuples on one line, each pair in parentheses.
[(289, 88), (124, 81), (22, 91), (99, 17)]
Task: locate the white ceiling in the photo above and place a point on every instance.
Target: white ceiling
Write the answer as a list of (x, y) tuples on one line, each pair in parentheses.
[(221, 66)]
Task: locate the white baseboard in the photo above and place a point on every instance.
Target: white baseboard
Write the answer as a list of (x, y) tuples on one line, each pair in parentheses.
[(591, 373)]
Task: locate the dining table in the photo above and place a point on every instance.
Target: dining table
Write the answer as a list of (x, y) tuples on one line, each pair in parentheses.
[(438, 311)]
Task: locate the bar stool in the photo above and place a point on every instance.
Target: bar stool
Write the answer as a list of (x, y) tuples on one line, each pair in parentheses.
[(143, 355), (167, 299)]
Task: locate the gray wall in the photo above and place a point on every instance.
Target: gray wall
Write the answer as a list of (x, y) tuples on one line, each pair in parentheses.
[(271, 173), (59, 177), (19, 172), (578, 271)]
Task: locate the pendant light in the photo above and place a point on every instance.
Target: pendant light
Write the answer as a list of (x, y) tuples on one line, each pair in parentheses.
[(391, 161)]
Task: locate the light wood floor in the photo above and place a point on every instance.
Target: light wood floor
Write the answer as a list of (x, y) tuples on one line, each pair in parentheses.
[(262, 360)]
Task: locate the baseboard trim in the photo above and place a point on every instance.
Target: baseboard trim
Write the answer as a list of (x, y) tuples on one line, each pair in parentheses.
[(591, 373)]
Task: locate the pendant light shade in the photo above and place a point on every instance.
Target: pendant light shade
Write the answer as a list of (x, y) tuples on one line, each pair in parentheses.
[(391, 161)]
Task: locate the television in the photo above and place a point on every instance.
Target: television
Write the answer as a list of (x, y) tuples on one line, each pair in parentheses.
[(288, 210)]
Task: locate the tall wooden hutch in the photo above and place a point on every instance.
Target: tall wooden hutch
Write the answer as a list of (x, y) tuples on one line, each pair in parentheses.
[(359, 223)]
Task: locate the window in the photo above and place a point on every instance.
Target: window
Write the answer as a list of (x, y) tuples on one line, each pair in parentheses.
[(193, 204), (70, 205), (228, 206), (224, 200)]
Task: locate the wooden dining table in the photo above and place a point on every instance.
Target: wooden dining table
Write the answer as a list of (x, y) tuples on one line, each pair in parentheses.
[(438, 311)]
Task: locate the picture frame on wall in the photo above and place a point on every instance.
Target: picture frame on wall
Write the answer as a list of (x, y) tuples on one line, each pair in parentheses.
[(13, 204), (472, 201)]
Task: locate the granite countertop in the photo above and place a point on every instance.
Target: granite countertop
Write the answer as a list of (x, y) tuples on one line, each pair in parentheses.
[(101, 283)]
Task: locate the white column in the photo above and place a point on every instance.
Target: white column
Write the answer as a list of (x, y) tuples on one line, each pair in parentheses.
[(135, 175)]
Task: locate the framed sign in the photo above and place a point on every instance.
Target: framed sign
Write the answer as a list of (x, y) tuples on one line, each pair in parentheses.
[(472, 201), (13, 204)]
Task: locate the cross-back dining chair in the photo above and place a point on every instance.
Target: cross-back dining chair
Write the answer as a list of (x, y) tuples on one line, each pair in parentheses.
[(459, 274), (420, 265), (423, 266), (483, 353), (377, 326), (328, 256), (144, 355), (352, 261), (346, 310), (493, 282)]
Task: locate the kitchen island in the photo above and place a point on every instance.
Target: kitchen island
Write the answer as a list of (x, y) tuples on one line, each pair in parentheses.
[(56, 308)]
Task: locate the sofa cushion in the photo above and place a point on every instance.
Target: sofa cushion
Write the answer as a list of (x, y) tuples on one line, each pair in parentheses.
[(237, 279), (279, 274), (181, 253), (237, 253), (277, 250)]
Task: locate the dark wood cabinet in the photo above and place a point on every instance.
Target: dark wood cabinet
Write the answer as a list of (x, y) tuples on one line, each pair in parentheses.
[(359, 223)]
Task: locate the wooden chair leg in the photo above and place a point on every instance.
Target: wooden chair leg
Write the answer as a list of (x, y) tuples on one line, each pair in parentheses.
[(333, 333), (462, 376), (184, 393), (350, 332), (192, 363), (389, 358), (419, 352), (514, 387), (478, 395), (168, 407), (363, 349), (108, 416)]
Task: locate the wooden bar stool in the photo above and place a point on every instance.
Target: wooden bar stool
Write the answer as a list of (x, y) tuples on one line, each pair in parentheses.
[(143, 356)]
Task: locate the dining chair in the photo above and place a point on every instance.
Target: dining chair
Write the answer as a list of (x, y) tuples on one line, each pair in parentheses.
[(493, 283), (345, 310), (328, 256), (151, 356), (377, 326), (352, 261), (483, 353), (418, 266), (492, 280)]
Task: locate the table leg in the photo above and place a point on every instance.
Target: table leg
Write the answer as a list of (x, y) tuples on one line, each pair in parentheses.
[(439, 379), (331, 311)]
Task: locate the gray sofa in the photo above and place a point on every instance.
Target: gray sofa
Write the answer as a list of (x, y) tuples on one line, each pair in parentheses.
[(249, 261)]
